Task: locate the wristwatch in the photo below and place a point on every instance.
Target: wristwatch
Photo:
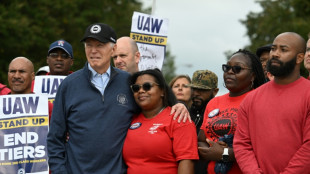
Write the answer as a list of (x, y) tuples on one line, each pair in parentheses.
[(225, 155)]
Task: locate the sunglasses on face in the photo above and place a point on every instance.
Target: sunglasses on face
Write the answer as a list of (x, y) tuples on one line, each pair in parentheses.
[(56, 55), (236, 69), (145, 86)]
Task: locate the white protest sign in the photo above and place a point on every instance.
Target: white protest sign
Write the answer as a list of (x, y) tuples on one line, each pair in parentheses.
[(150, 33), (23, 105), (47, 85), (23, 131)]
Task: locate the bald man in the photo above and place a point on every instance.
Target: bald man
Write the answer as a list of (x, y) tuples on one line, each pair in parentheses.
[(127, 56), (20, 75), (273, 134)]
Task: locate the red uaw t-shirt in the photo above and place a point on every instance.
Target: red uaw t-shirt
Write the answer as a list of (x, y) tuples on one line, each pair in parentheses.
[(156, 145), (220, 118)]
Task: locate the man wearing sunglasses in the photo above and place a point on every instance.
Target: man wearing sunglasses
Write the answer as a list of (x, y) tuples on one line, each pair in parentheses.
[(95, 106), (273, 133), (60, 58), (263, 55)]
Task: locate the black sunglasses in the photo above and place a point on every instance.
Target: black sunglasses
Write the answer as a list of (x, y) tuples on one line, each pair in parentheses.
[(236, 69), (56, 55), (145, 86)]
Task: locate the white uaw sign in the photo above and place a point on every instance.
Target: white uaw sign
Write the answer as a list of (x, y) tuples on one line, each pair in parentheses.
[(23, 131), (150, 33)]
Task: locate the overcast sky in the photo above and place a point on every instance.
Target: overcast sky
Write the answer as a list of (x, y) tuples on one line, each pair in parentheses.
[(200, 31)]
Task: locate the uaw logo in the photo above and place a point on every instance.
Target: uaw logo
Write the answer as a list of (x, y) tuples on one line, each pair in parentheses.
[(153, 129), (95, 29), (21, 171), (121, 98), (61, 43)]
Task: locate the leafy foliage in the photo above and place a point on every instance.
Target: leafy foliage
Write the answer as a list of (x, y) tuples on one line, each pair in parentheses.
[(29, 27), (277, 17)]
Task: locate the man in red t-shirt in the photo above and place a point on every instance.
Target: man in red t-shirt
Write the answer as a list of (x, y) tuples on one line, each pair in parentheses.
[(273, 133)]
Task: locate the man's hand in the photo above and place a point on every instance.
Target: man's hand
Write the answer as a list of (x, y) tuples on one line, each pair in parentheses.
[(212, 153), (180, 110)]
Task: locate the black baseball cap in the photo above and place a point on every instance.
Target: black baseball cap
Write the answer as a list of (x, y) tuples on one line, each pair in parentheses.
[(101, 32), (262, 49)]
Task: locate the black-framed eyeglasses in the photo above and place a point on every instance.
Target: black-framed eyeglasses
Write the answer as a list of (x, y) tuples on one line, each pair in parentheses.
[(236, 69), (62, 55), (145, 86)]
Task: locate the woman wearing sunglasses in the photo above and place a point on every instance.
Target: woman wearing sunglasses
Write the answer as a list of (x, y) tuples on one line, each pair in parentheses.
[(155, 143), (242, 73)]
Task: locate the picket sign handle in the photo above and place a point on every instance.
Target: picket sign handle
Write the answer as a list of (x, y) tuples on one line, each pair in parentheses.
[(153, 7)]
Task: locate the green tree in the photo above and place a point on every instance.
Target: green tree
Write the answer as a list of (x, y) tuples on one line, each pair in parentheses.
[(28, 27), (277, 17)]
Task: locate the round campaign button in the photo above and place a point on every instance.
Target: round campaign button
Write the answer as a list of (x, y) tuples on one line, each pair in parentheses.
[(213, 113), (135, 125)]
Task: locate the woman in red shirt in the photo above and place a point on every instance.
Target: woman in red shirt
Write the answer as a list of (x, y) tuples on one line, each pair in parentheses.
[(242, 73), (155, 143)]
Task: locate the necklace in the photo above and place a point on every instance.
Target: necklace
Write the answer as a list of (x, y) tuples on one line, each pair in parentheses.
[(156, 113), (160, 110)]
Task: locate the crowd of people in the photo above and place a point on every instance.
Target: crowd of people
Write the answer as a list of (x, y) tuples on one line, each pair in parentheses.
[(117, 119)]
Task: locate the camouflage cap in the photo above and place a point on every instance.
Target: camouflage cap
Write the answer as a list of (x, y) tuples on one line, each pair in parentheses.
[(204, 79)]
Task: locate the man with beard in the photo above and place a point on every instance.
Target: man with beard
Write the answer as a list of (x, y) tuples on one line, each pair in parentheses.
[(273, 133), (204, 88)]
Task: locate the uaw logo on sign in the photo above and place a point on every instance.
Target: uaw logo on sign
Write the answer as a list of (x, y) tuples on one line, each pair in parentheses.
[(23, 131), (47, 85), (21, 171), (150, 33)]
